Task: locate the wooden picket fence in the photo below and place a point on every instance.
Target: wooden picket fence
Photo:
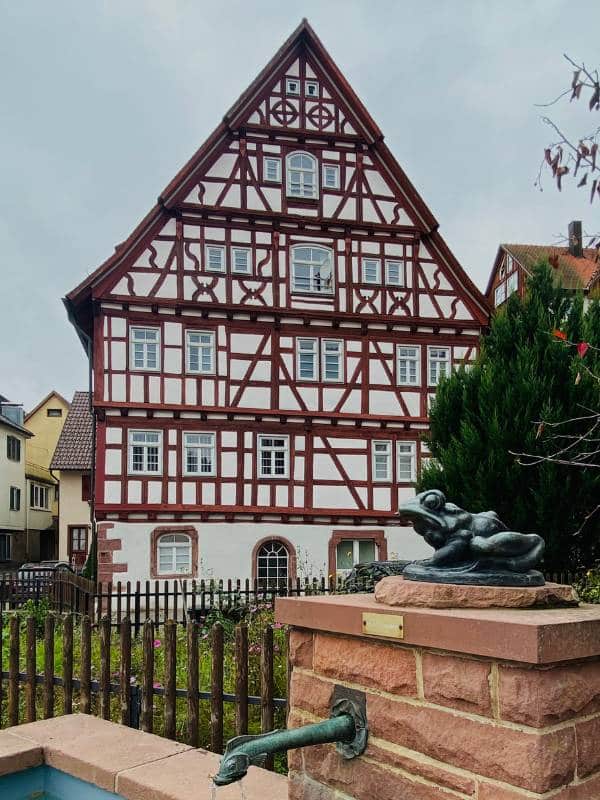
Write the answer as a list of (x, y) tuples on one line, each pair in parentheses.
[(135, 701)]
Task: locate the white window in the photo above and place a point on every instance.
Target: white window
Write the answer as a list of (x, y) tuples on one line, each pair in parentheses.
[(145, 452), (371, 270), (200, 352), (14, 499), (240, 260), (382, 460), (307, 359), (215, 258), (292, 86), (512, 284), (350, 552), (272, 564), (407, 462), (312, 269), (395, 273), (302, 175), (439, 364), (144, 348), (272, 170), (199, 454), (174, 554), (331, 176), (311, 88), (273, 456), (39, 497), (408, 365), (332, 360), (500, 294)]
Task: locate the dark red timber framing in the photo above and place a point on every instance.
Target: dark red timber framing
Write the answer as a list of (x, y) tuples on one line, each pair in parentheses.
[(217, 257)]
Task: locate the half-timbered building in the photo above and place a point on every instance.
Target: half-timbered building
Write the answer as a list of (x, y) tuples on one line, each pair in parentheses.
[(267, 342)]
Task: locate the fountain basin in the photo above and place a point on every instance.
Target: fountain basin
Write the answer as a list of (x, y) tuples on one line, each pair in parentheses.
[(125, 762)]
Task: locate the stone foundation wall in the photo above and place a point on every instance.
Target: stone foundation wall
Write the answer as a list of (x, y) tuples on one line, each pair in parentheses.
[(444, 725)]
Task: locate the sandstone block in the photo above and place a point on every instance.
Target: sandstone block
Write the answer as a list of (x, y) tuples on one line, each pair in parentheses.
[(395, 591), (301, 648), (588, 747), (542, 696), (369, 663), (310, 694), (457, 682), (536, 761), (432, 772)]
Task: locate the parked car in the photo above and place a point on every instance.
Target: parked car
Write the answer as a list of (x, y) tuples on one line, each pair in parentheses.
[(34, 580)]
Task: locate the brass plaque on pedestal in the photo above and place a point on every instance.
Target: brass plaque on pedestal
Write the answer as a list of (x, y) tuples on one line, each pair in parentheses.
[(388, 625)]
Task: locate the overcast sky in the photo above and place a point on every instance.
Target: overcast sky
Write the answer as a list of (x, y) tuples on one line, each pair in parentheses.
[(102, 102)]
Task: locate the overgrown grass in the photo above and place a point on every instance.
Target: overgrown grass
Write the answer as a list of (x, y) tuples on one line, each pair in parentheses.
[(256, 618)]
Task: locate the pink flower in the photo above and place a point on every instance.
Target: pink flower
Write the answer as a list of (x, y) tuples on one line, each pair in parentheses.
[(157, 643), (157, 685), (278, 625)]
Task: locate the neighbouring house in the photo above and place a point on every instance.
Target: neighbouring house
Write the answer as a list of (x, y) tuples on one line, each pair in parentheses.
[(73, 459), (575, 268), (266, 344), (46, 422), (13, 500)]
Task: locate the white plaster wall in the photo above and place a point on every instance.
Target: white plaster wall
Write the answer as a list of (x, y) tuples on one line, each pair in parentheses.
[(72, 510), (225, 549), (12, 473)]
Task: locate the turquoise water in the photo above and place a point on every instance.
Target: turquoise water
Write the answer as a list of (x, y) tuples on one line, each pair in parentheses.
[(46, 783)]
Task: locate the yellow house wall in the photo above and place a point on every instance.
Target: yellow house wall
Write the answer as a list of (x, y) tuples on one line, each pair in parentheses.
[(46, 430), (73, 510)]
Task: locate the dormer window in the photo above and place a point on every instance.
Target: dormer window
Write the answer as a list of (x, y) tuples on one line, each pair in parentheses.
[(311, 88), (302, 175), (292, 86), (312, 269)]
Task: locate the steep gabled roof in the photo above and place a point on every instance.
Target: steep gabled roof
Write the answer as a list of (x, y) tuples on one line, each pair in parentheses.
[(75, 445), (571, 272), (302, 38), (53, 393)]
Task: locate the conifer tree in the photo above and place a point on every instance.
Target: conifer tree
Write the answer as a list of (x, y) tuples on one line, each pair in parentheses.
[(498, 429)]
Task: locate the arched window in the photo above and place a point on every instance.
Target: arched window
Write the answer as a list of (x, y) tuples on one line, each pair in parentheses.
[(312, 269), (302, 175), (174, 554), (272, 564)]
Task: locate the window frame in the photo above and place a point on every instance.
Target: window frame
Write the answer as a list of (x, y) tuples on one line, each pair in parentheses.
[(314, 341), (14, 498), (286, 451), (401, 272), (36, 492), (248, 252), (341, 360), (312, 266), (363, 270), (336, 172), (5, 546), (289, 91), (216, 247), (417, 359), (130, 445), (512, 284), (448, 360), (184, 448), (388, 456), (315, 174), (500, 294), (54, 413), (307, 93), (277, 162), (412, 453), (13, 448), (174, 546), (213, 352), (144, 343), (355, 552)]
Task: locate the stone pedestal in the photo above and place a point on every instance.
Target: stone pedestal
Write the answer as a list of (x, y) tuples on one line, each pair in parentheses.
[(493, 704)]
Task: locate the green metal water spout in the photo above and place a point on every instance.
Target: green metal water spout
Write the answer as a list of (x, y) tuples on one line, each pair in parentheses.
[(346, 726)]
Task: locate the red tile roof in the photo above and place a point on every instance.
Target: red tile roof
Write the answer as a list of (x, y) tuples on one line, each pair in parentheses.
[(74, 448), (571, 272)]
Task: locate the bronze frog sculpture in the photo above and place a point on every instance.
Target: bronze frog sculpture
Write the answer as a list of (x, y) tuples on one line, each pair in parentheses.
[(470, 548)]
